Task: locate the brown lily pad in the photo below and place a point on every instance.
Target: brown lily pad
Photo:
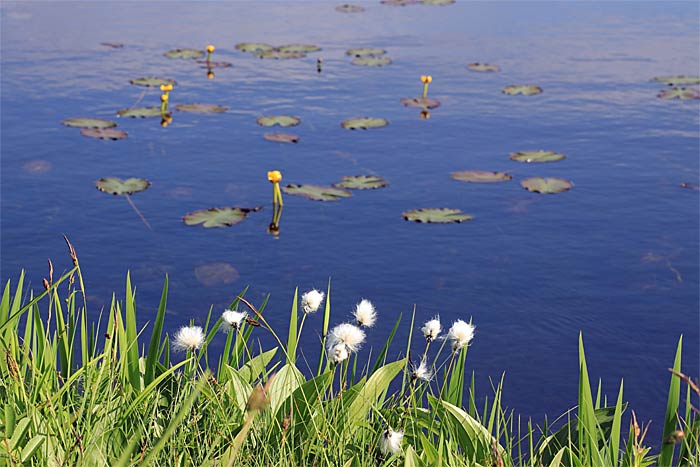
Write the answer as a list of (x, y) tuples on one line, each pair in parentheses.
[(347, 8), (281, 137), (525, 90), (213, 274), (152, 81), (104, 133), (112, 45), (202, 108), (276, 54), (546, 185), (483, 67), (481, 176), (421, 102), (212, 64), (400, 2), (679, 93), (365, 51)]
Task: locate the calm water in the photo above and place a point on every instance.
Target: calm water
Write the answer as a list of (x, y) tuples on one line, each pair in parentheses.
[(615, 258)]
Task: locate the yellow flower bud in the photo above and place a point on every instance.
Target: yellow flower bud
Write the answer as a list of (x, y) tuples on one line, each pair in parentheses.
[(210, 74), (211, 48), (164, 98), (430, 79), (424, 78), (274, 176)]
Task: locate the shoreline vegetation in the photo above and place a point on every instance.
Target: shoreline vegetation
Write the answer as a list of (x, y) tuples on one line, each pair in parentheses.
[(79, 393)]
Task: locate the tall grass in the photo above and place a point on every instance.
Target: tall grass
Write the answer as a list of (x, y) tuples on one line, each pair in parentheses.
[(82, 393)]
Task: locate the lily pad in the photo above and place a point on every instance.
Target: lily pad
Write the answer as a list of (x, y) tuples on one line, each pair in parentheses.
[(201, 108), (253, 47), (187, 54), (370, 60), (436, 216), (80, 122), (37, 166), (317, 192), (546, 185), (152, 81), (279, 55), (481, 176), (347, 8), (400, 2), (298, 48), (422, 102), (483, 67), (211, 64), (678, 80), (281, 120), (536, 156), (104, 133), (218, 217), (281, 137), (365, 51), (525, 90), (214, 274), (117, 186), (363, 123), (683, 94), (690, 186), (140, 112), (112, 45), (437, 2), (362, 182)]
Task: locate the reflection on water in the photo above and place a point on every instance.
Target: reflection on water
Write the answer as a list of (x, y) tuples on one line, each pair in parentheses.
[(616, 257)]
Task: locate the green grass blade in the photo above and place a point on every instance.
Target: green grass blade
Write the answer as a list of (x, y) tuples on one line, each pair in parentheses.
[(154, 346), (674, 395), (292, 336), (132, 346)]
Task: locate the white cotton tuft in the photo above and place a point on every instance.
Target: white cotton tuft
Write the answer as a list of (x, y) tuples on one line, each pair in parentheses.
[(343, 340), (390, 442), (431, 329), (231, 319), (189, 338), (365, 314), (311, 301), (461, 333), (421, 372)]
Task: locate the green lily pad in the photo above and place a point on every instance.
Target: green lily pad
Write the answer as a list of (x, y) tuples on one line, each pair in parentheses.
[(152, 81), (437, 2), (281, 120), (436, 216), (422, 102), (140, 112), (253, 47), (483, 67), (362, 182), (347, 8), (481, 176), (279, 55), (186, 54), (298, 48), (683, 94), (117, 186), (678, 80), (370, 60), (218, 217), (80, 122), (104, 133), (281, 137), (525, 90), (546, 185), (400, 2), (201, 108), (363, 123), (365, 51), (317, 192), (211, 64), (213, 274), (536, 156)]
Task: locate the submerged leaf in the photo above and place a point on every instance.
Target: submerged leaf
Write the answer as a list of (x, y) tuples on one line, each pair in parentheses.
[(481, 176), (253, 47), (104, 133), (436, 216), (140, 112), (347, 8), (546, 185), (281, 120), (218, 217), (362, 182), (370, 60), (201, 108), (484, 67), (112, 45), (80, 122), (536, 156), (214, 274), (363, 123), (281, 137), (187, 54), (364, 51), (421, 102), (152, 81), (298, 48), (117, 186), (317, 192), (678, 80), (679, 93), (525, 90)]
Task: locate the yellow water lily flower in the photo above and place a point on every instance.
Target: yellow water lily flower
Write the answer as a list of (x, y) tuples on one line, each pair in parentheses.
[(426, 78), (164, 97), (211, 48), (274, 176), (166, 87)]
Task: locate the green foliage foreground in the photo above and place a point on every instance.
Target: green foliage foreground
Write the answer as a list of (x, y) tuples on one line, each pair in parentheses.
[(91, 394)]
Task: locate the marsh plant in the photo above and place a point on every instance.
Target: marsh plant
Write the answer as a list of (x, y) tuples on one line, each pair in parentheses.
[(80, 393)]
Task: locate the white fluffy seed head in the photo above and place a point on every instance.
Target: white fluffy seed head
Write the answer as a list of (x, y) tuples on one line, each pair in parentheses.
[(231, 319), (189, 338), (421, 372), (390, 442), (461, 333), (348, 334), (311, 300), (339, 353), (365, 314), (431, 329)]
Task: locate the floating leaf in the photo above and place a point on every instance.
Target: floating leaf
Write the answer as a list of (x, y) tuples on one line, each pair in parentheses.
[(484, 67), (253, 47), (347, 8), (281, 137), (104, 133), (152, 81), (279, 55), (298, 48), (422, 102), (117, 186), (37, 166), (210, 64), (525, 90), (140, 112), (437, 2), (400, 2), (187, 54), (690, 186), (218, 217), (362, 182), (546, 185), (317, 192), (679, 93), (678, 80), (363, 123), (80, 122), (370, 60), (201, 108), (536, 156), (112, 45), (364, 51), (481, 176), (281, 120), (214, 274), (436, 216)]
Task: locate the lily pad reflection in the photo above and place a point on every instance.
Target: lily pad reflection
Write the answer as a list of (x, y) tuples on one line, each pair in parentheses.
[(317, 192), (436, 216)]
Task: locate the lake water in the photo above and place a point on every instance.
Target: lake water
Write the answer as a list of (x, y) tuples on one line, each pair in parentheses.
[(616, 257)]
